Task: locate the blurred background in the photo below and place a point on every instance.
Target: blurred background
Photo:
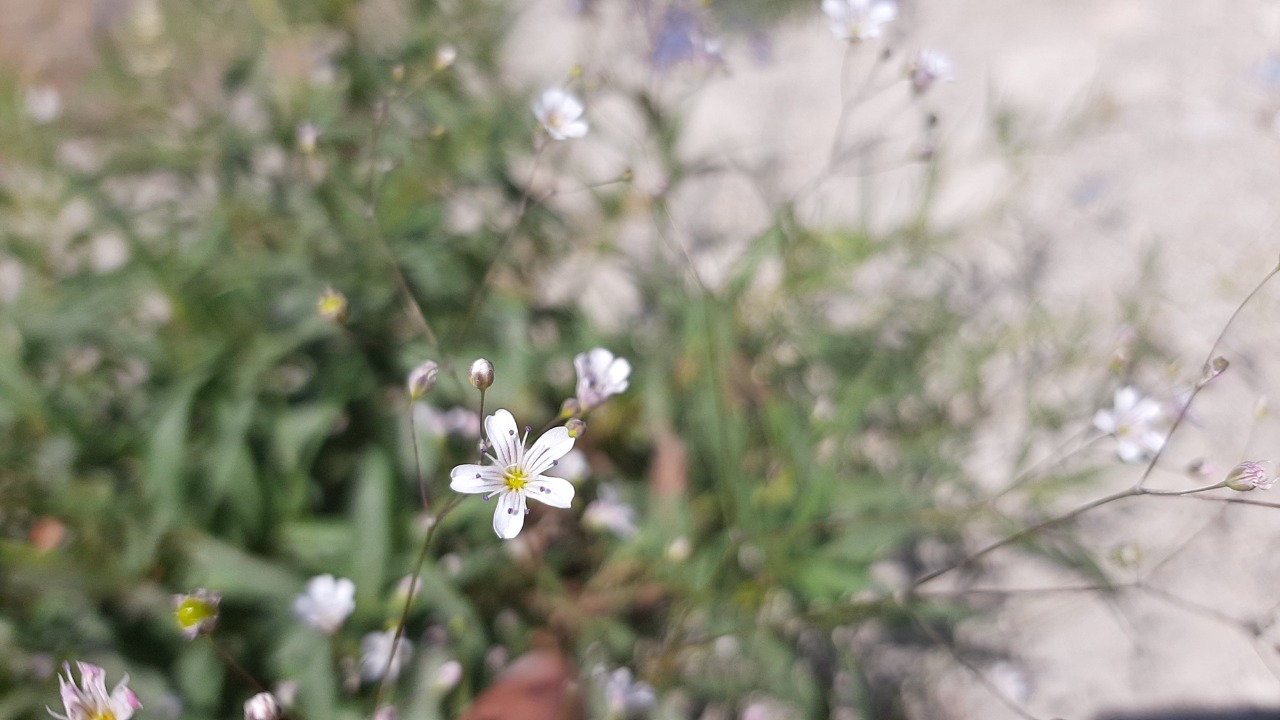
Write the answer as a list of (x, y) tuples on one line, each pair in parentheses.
[(869, 320)]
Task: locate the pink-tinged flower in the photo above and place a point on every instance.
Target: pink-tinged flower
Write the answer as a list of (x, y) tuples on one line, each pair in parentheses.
[(928, 68), (600, 376), (515, 474), (196, 613), (262, 706), (855, 20), (326, 603), (89, 699), (609, 512), (1250, 475), (1135, 422), (560, 113)]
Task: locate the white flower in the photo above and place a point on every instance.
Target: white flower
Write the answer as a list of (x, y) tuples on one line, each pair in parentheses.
[(927, 68), (560, 113), (326, 604), (89, 700), (622, 696), (600, 375), (609, 512), (516, 474), (855, 20), (42, 103), (262, 706), (1134, 421), (375, 648)]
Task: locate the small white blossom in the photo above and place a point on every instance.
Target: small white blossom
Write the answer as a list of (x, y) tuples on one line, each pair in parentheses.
[(1134, 421), (600, 376), (1250, 475), (928, 68), (560, 113), (326, 604), (375, 648), (42, 103), (262, 706), (609, 512), (89, 700), (855, 20), (623, 697), (447, 676), (516, 474)]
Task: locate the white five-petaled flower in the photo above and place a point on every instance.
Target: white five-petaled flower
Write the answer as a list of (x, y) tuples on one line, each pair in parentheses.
[(560, 113), (89, 699), (600, 375), (516, 474), (1135, 422), (928, 68), (376, 648), (855, 20), (326, 603)]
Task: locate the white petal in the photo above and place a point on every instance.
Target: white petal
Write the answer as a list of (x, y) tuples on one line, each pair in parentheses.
[(552, 491), (619, 371), (576, 129), (1126, 398), (882, 12), (598, 361), (835, 9), (504, 436), (1105, 421), (1153, 441), (1130, 451), (508, 517), (552, 446), (476, 479)]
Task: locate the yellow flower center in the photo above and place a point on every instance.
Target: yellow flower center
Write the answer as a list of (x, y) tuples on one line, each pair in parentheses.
[(189, 614), (103, 715), (515, 478)]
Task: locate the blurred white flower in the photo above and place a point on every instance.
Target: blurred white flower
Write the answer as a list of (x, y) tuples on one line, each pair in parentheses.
[(623, 696), (516, 474), (10, 280), (445, 56), (262, 706), (600, 376), (43, 103), (927, 68), (376, 648), (306, 136), (609, 512), (560, 113), (447, 676), (573, 466), (108, 252), (1134, 421), (855, 20), (89, 700), (326, 604)]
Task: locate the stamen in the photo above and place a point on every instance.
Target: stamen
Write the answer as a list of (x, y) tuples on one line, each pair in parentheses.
[(512, 511)]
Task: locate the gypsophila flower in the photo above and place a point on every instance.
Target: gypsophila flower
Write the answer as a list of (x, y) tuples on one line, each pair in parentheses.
[(516, 474), (560, 113), (89, 699), (196, 613), (609, 513), (375, 648), (326, 604), (332, 306), (1250, 475), (623, 697), (928, 68), (854, 20), (1135, 422), (600, 376), (262, 706)]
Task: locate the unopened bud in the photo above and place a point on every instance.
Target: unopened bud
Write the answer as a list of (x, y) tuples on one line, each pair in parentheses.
[(1249, 475), (422, 379), (332, 306), (481, 374), (1213, 369), (262, 706), (576, 427), (196, 613), (570, 407)]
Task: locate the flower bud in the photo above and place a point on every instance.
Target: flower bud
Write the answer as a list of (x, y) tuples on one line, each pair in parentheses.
[(481, 374), (1213, 369), (445, 55), (576, 427), (570, 407), (262, 706), (1249, 475), (332, 306), (196, 613), (422, 379)]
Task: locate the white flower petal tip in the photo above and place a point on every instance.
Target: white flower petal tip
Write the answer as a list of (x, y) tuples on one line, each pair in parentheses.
[(854, 20), (560, 113), (516, 475)]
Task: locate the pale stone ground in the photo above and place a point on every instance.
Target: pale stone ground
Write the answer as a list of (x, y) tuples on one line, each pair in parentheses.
[(1148, 124)]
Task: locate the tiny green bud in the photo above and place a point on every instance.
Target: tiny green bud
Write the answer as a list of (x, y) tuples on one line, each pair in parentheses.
[(422, 379), (481, 374), (576, 427)]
